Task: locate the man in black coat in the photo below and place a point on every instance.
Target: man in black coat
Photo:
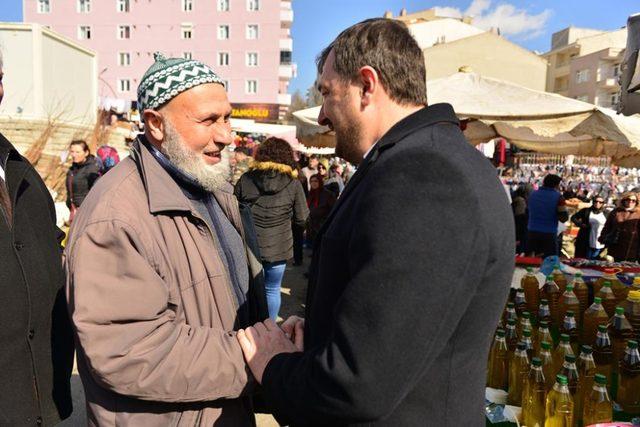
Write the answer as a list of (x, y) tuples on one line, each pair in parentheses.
[(36, 344), (412, 268)]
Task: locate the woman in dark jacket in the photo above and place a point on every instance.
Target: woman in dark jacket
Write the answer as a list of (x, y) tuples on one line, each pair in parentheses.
[(276, 198), (620, 232), (590, 222), (320, 201), (82, 174)]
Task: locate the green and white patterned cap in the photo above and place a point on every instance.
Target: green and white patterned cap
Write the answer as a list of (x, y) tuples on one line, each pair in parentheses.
[(168, 77)]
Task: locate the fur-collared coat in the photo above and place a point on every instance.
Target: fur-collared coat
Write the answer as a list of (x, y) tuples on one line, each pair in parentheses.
[(276, 198)]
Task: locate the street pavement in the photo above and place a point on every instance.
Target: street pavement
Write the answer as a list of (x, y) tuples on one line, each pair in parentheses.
[(294, 289)]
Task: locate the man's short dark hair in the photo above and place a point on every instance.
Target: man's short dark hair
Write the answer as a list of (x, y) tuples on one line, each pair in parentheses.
[(387, 46), (551, 181), (244, 150)]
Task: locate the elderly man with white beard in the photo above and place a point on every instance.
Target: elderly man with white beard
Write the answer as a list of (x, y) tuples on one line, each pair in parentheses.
[(162, 268)]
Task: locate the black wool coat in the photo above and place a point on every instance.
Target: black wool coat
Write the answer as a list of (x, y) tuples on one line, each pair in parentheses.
[(36, 343), (410, 274), (81, 177)]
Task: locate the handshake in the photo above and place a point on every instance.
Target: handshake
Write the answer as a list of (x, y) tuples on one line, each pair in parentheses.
[(264, 340)]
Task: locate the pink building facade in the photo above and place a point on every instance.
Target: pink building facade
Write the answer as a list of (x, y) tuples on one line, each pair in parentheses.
[(247, 42)]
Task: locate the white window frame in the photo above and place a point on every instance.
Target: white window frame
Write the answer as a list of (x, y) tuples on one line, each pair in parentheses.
[(122, 31), (84, 6), (224, 59), (124, 59), (248, 60), (187, 55), (223, 5), (228, 32), (186, 31), (123, 6), (84, 32), (187, 5), (248, 31), (251, 87), (253, 5), (124, 85), (582, 76), (43, 6)]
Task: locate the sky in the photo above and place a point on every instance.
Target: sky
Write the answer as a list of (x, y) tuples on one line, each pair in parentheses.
[(528, 23)]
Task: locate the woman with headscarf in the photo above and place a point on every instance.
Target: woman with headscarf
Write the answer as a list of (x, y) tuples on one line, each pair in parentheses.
[(320, 201), (590, 221), (273, 192), (620, 232)]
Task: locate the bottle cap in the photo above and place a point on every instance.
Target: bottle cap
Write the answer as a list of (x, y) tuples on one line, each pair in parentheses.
[(529, 269), (561, 379), (569, 313), (545, 301), (546, 345), (549, 277), (569, 288), (634, 296), (586, 349), (536, 361), (510, 305), (500, 333), (602, 328), (564, 338), (521, 346), (632, 344), (571, 358), (600, 379), (526, 314), (606, 284), (544, 323), (578, 274), (511, 322), (597, 300), (620, 310), (557, 266), (526, 332)]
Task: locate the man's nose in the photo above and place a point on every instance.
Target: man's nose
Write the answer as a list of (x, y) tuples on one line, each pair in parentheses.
[(322, 119), (225, 135)]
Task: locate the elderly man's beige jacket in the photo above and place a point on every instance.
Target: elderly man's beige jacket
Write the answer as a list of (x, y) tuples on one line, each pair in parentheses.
[(152, 305)]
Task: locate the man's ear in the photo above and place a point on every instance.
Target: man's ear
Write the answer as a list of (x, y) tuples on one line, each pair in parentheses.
[(153, 124), (370, 82)]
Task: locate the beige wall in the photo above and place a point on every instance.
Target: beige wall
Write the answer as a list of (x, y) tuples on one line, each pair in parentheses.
[(488, 55), (47, 75)]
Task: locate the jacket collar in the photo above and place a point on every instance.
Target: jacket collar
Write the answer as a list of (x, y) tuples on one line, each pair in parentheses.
[(5, 149)]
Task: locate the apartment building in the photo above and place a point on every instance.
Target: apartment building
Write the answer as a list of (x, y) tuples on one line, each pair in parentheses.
[(585, 64), (450, 43), (247, 42)]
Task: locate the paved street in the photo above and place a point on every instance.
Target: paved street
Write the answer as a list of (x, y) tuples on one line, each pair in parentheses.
[(293, 296)]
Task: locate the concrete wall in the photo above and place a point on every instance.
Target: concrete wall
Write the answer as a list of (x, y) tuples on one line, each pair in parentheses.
[(46, 75), (488, 55)]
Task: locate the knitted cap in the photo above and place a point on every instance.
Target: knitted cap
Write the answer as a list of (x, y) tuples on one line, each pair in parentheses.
[(168, 77)]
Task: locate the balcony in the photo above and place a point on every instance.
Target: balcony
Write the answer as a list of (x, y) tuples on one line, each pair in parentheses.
[(286, 18), (284, 99), (561, 70), (286, 72), (286, 44), (612, 54)]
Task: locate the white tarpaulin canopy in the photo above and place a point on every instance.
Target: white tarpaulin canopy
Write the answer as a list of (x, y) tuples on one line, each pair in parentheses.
[(527, 118)]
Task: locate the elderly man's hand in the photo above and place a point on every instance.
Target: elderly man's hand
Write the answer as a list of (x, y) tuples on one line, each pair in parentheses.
[(293, 328), (260, 343)]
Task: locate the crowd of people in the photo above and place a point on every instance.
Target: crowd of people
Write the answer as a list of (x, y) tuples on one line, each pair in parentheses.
[(601, 202)]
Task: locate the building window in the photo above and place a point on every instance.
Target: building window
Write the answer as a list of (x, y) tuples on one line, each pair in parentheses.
[(223, 5), (187, 5), (614, 98), (226, 85), (122, 5), (251, 86), (252, 59), (582, 76), (285, 57), (187, 31), (252, 32), (84, 6), (124, 59), (187, 55), (223, 59), (616, 70), (124, 32), (44, 6), (583, 98), (84, 32), (124, 85), (253, 5), (223, 32)]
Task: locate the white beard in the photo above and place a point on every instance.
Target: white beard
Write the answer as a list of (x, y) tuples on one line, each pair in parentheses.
[(210, 177)]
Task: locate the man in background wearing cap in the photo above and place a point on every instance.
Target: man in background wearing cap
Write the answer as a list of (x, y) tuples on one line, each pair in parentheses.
[(161, 267)]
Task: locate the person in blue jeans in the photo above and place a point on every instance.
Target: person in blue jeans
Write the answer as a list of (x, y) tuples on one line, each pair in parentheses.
[(275, 195)]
